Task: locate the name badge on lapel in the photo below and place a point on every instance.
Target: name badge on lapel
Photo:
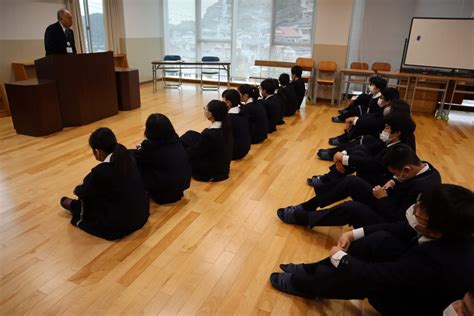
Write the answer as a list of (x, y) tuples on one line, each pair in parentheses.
[(68, 48)]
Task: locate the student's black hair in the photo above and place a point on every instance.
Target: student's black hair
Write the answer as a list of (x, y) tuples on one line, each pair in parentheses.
[(284, 79), (233, 96), (399, 156), (104, 139), (251, 91), (219, 110), (159, 127), (269, 86), (399, 106), (276, 83), (401, 122), (450, 209), (379, 82), (297, 71), (390, 93)]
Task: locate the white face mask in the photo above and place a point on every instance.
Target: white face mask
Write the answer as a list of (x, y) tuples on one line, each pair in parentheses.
[(400, 178), (380, 102), (384, 136), (386, 111), (450, 311), (411, 218)]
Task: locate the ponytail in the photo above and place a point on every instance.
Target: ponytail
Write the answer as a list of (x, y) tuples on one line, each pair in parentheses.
[(251, 91)]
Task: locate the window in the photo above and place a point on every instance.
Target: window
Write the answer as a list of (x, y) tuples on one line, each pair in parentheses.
[(293, 29), (93, 25), (239, 31), (253, 27)]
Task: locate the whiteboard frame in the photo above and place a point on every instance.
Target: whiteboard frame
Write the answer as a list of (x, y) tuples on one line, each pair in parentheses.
[(424, 66)]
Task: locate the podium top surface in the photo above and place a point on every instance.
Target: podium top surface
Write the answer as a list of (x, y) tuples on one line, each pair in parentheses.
[(31, 82)]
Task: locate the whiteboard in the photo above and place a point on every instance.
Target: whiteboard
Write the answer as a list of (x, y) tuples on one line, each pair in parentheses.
[(441, 43)]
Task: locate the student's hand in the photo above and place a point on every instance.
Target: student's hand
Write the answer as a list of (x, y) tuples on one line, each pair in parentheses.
[(379, 192), (340, 167), (354, 97), (335, 249), (139, 146), (337, 157), (348, 127), (345, 240), (390, 184), (350, 120)]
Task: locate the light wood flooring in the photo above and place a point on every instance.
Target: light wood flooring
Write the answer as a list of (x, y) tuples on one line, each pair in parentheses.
[(210, 253)]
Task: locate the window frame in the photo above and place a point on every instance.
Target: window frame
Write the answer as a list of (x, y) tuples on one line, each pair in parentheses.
[(199, 40)]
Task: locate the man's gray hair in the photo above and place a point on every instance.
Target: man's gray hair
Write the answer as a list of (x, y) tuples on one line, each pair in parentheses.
[(60, 13)]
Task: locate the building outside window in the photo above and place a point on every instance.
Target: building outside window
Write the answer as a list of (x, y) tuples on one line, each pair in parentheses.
[(239, 31)]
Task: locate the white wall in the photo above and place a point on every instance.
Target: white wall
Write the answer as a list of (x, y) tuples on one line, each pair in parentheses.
[(22, 26), (332, 26), (22, 19), (386, 24), (143, 18), (143, 34), (444, 8)]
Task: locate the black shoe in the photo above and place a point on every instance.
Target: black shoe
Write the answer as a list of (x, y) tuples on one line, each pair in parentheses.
[(342, 111), (282, 282), (337, 119), (315, 182), (65, 202), (287, 214), (335, 141), (325, 154), (293, 268)]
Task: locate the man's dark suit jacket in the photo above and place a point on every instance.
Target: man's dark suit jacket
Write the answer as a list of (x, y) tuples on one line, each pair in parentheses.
[(55, 41)]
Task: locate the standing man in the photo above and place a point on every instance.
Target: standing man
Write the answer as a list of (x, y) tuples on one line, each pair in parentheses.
[(59, 38)]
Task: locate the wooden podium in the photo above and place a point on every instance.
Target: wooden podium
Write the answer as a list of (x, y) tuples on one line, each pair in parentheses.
[(34, 107), (85, 84)]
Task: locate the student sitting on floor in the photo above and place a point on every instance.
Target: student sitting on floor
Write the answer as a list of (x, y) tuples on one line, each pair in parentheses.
[(281, 101), (395, 106), (364, 103), (239, 123), (112, 200), (162, 161), (271, 103), (433, 269), (370, 204), (288, 95), (367, 160), (210, 151), (253, 108), (370, 123), (297, 84)]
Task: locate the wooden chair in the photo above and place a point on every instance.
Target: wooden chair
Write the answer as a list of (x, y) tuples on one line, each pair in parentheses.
[(326, 75), (357, 80), (359, 65), (307, 64), (378, 66)]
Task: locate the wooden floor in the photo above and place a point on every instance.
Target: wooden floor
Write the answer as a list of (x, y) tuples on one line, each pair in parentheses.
[(212, 252)]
